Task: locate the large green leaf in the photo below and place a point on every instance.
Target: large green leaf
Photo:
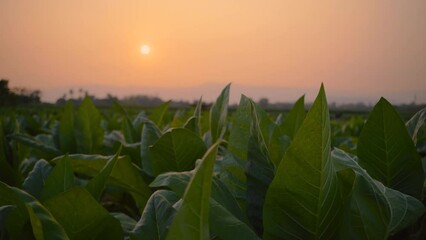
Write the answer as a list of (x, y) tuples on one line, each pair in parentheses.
[(125, 174), (157, 216), (178, 182), (59, 180), (176, 150), (192, 219), (226, 218), (303, 201), (294, 118), (88, 130), (158, 113), (67, 142), (27, 208), (374, 211), (150, 134), (387, 152), (240, 131), (36, 179), (97, 184), (218, 113), (416, 123), (82, 216)]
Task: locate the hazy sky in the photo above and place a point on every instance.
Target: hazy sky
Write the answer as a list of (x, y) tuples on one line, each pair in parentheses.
[(360, 49)]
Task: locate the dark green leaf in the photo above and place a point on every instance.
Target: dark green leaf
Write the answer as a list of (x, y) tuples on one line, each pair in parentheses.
[(176, 150), (259, 172), (178, 182), (304, 201), (127, 223), (88, 130), (150, 134), (8, 173), (158, 113), (129, 131), (48, 150), (294, 118), (82, 216), (125, 174), (226, 225), (36, 179), (60, 179), (44, 225), (192, 219), (157, 216), (97, 184), (240, 131), (387, 152), (67, 141), (374, 211)]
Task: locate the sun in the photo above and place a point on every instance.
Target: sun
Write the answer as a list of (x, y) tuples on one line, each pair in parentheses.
[(145, 49)]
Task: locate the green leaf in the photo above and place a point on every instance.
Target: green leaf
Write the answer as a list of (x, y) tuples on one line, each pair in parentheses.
[(88, 130), (218, 113), (97, 184), (129, 131), (157, 216), (60, 179), (82, 216), (269, 134), (259, 172), (125, 174), (387, 152), (44, 225), (178, 182), (226, 225), (191, 125), (303, 201), (192, 219), (240, 131), (4, 212), (415, 124), (176, 150), (233, 175), (374, 211), (127, 223), (35, 181), (67, 142), (49, 151), (150, 134), (226, 219), (158, 113), (8, 173), (197, 115), (294, 118)]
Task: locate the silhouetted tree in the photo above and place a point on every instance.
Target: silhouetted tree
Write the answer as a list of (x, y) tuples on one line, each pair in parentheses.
[(17, 95)]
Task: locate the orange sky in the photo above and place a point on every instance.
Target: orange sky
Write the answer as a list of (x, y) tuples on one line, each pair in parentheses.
[(360, 49)]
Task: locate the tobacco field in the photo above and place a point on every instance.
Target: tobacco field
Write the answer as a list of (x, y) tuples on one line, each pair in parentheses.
[(89, 173)]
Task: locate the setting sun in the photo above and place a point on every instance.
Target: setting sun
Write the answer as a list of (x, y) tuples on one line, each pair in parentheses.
[(145, 49)]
